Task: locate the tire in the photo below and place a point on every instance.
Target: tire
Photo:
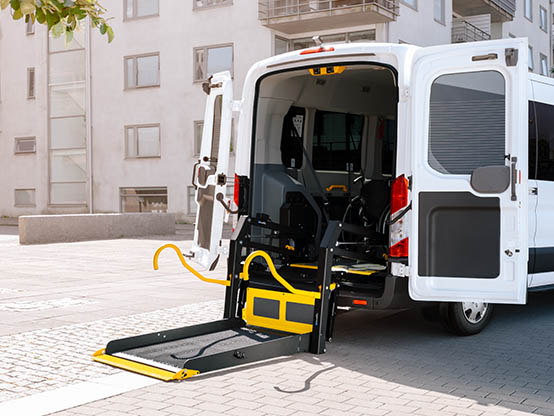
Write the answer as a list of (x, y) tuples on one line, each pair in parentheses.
[(465, 318)]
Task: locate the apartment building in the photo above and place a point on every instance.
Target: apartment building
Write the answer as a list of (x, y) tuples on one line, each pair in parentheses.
[(98, 127)]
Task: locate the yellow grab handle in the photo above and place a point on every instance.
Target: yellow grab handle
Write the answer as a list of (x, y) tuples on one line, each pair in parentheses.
[(269, 261), (342, 187), (189, 268)]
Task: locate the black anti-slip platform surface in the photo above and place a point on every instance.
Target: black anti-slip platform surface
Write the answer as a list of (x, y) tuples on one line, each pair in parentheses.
[(175, 353)]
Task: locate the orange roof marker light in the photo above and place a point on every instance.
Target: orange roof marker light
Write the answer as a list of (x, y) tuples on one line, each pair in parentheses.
[(318, 50)]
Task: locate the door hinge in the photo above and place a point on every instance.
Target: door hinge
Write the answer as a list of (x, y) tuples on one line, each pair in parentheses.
[(533, 191), (512, 55)]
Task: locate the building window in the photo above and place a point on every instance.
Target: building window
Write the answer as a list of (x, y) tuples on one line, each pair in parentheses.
[(410, 3), (142, 141), (544, 65), (198, 130), (528, 11), (202, 4), (531, 62), (25, 145), (544, 19), (24, 198), (30, 26), (143, 199), (142, 71), (209, 60), (30, 83), (135, 9), (67, 128), (285, 45), (439, 11), (457, 144)]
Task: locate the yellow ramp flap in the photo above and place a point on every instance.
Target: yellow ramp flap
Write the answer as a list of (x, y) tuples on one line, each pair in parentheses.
[(144, 369)]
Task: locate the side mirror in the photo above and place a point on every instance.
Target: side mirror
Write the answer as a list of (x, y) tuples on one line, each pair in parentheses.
[(491, 179)]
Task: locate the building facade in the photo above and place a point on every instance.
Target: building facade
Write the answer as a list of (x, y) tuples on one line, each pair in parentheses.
[(95, 127)]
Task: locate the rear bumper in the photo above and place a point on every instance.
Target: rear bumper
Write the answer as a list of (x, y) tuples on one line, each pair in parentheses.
[(395, 296)]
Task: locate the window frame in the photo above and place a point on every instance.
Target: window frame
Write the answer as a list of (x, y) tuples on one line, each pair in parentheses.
[(442, 19), (224, 3), (135, 128), (531, 63), (16, 205), (407, 4), (347, 35), (150, 188), (135, 71), (196, 152), (31, 75), (525, 3), (543, 60), (205, 65), (543, 13), (135, 17), (30, 27), (22, 139)]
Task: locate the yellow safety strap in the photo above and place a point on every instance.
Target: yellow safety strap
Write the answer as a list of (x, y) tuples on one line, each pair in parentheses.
[(343, 188), (186, 265), (244, 275)]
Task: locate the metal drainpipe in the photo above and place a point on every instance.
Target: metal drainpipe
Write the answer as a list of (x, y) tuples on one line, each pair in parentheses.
[(89, 116)]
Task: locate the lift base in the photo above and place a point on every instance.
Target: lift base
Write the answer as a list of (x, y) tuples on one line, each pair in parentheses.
[(181, 353)]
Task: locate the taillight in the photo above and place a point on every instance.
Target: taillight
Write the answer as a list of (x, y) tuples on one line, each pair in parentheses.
[(399, 241), (399, 194), (236, 191), (317, 50)]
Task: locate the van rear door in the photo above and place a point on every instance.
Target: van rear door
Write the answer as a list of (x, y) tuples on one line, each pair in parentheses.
[(468, 239), (210, 172)]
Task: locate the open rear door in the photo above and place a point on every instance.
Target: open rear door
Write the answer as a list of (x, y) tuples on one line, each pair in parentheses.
[(468, 238), (210, 172)]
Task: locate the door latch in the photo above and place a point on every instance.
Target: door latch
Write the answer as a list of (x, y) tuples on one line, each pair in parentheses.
[(533, 191), (509, 253)]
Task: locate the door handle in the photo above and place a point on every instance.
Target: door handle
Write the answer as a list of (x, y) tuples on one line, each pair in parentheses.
[(514, 177)]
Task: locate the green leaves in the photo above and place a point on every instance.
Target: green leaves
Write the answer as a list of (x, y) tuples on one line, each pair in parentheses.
[(61, 16)]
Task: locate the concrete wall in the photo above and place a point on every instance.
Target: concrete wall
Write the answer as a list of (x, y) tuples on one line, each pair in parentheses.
[(43, 229)]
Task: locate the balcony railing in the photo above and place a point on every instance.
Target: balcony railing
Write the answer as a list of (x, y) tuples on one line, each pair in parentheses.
[(295, 16), (463, 31), (500, 10)]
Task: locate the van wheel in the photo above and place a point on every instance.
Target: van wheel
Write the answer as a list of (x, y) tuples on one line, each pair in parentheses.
[(465, 318)]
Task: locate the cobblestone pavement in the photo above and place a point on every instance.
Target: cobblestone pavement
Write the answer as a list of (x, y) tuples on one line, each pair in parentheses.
[(378, 363)]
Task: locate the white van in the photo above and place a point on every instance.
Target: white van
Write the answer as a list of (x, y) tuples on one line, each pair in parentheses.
[(409, 174)]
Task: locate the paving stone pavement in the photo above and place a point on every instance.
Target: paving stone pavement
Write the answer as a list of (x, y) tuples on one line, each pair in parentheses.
[(378, 364)]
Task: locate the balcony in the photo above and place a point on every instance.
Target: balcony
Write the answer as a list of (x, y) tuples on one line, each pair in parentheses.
[(463, 31), (298, 16), (500, 10)]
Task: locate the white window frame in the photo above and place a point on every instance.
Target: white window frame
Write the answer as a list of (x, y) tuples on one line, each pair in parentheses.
[(31, 83), (442, 18), (15, 204), (135, 128), (347, 36), (150, 188), (221, 3), (135, 17), (18, 140), (531, 63), (525, 3), (407, 3), (205, 66), (543, 17), (544, 64), (134, 58)]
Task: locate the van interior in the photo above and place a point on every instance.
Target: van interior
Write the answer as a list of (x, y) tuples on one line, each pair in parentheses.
[(324, 149)]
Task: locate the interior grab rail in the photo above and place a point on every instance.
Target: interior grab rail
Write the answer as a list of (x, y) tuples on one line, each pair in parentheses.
[(187, 266), (244, 275)]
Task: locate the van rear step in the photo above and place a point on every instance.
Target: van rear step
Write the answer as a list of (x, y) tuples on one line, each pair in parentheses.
[(181, 353)]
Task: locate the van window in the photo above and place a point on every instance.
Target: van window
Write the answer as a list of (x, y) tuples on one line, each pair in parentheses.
[(292, 139), (337, 141), (467, 122), (532, 141), (544, 117)]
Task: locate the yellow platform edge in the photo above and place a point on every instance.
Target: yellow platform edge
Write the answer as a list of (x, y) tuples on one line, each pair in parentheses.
[(143, 369)]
